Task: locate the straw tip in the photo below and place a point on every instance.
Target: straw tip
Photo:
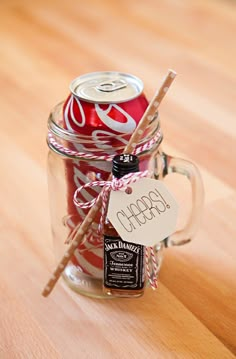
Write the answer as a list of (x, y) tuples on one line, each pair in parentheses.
[(46, 292), (172, 73)]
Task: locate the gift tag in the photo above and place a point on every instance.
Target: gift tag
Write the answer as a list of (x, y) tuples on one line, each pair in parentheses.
[(147, 215)]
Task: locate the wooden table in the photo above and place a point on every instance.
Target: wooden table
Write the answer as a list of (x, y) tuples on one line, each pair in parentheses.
[(44, 45)]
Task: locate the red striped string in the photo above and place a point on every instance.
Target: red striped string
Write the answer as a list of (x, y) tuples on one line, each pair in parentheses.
[(89, 156)]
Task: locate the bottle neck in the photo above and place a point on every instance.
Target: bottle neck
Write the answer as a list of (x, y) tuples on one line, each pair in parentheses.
[(123, 173)]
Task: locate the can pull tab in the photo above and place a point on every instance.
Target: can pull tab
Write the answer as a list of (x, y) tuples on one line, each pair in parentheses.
[(112, 85)]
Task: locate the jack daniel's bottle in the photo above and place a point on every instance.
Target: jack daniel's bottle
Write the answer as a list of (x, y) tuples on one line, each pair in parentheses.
[(123, 261)]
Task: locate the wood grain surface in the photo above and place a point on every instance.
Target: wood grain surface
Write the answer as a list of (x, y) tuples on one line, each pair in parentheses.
[(44, 44)]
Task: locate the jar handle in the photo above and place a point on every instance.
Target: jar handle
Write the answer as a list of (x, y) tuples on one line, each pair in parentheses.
[(188, 169)]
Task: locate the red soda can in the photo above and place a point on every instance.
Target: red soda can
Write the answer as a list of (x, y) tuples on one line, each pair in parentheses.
[(101, 105)]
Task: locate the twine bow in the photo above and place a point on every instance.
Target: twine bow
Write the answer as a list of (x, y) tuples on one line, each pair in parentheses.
[(120, 184)]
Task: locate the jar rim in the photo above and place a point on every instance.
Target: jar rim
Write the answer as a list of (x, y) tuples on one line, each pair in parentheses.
[(97, 144), (69, 135)]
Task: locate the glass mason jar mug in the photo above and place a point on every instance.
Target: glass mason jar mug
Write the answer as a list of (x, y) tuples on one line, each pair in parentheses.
[(67, 172)]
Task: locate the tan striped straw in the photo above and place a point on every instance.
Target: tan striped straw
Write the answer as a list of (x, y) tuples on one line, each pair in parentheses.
[(84, 226)]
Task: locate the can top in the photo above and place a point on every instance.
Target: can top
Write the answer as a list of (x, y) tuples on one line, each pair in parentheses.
[(106, 87)]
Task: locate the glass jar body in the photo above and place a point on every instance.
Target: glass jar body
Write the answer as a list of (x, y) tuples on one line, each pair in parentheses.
[(69, 169), (66, 173), (84, 273)]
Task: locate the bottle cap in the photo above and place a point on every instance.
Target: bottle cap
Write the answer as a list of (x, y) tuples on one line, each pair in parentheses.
[(124, 164)]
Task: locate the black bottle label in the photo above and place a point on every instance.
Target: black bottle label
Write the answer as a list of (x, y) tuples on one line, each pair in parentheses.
[(123, 264)]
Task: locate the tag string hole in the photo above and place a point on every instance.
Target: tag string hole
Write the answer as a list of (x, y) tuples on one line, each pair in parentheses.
[(128, 190)]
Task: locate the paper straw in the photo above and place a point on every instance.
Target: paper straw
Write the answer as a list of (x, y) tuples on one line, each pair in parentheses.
[(150, 111), (84, 226)]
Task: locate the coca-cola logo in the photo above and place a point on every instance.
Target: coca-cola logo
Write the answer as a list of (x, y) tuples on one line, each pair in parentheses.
[(69, 113), (113, 116), (100, 138), (109, 125), (120, 121)]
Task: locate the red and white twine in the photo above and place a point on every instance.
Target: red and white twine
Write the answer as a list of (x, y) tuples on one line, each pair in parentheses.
[(117, 185), (145, 147)]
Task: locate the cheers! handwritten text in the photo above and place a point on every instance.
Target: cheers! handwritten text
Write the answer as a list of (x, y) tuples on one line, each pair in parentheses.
[(146, 208)]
